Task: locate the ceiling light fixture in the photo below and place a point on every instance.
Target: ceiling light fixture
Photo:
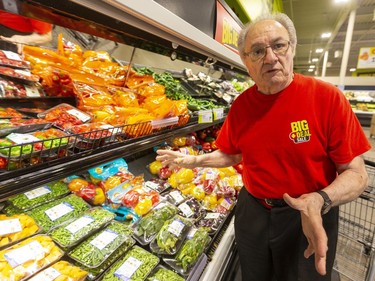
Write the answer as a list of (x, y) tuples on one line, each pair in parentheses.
[(315, 60), (310, 70), (312, 66), (341, 1), (326, 34), (319, 51), (352, 69)]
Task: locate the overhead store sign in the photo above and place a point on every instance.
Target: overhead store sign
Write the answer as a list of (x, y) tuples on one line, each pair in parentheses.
[(227, 29), (366, 58)]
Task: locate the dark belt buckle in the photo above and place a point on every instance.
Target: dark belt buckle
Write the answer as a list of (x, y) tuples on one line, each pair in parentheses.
[(269, 202)]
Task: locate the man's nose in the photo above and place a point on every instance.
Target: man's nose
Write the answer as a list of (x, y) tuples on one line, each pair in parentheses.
[(269, 56)]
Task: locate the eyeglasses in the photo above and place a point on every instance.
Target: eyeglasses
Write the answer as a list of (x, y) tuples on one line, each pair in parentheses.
[(278, 48)]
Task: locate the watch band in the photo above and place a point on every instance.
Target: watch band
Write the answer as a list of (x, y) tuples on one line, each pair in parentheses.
[(327, 202)]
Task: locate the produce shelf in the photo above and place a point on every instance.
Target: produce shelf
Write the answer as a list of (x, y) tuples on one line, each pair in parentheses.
[(15, 181)]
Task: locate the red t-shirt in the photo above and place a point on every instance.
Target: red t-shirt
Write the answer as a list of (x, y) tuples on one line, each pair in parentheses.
[(24, 24), (290, 140)]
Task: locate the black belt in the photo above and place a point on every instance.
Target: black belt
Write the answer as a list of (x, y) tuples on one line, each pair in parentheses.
[(273, 202)]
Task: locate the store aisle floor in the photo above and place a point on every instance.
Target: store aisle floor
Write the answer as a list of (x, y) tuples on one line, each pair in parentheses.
[(370, 155)]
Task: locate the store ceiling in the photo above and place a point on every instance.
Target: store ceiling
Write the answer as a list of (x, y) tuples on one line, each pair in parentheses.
[(314, 17)]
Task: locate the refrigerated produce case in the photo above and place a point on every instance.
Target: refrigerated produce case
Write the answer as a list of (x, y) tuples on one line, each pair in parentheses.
[(141, 27)]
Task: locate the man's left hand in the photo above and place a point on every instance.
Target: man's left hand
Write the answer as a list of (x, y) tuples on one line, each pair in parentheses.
[(312, 225)]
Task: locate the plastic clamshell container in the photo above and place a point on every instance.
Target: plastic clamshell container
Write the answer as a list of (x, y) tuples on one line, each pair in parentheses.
[(146, 228), (191, 209), (193, 247), (19, 75), (57, 212), (136, 265), (174, 231), (162, 273), (39, 196), (65, 115), (16, 228), (103, 247), (28, 257), (62, 269), (75, 230)]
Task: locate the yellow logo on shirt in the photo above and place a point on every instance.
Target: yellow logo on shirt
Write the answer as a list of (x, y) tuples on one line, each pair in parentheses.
[(300, 131)]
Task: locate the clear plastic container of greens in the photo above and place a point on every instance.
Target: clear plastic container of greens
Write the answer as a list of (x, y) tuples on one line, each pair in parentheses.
[(73, 231), (59, 211), (136, 265), (171, 236), (38, 196), (148, 226), (100, 250), (161, 273), (190, 252)]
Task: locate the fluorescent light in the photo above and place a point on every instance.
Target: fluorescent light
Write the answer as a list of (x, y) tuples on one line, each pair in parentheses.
[(312, 66), (315, 60), (326, 35), (319, 50), (352, 69), (310, 70), (341, 1)]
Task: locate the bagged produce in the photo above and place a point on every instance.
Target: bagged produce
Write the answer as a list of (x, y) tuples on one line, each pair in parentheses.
[(161, 273)]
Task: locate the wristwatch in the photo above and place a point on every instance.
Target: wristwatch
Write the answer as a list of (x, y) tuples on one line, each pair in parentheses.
[(327, 202)]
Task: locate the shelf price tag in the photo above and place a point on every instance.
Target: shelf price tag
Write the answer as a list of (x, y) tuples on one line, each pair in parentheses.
[(205, 116), (218, 113)]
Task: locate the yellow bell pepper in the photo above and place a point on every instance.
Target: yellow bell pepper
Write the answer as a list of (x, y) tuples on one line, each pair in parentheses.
[(99, 196)]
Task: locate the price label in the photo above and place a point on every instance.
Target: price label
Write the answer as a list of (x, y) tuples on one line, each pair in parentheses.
[(59, 211), (218, 113), (176, 227), (37, 192), (80, 115), (32, 91), (23, 254), (212, 216), (10, 226), (103, 239), (23, 72), (152, 185), (204, 116), (177, 197), (12, 55), (186, 210), (127, 269), (48, 274), (191, 233), (79, 224), (22, 138)]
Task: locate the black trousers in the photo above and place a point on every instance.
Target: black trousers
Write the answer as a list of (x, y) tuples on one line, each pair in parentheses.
[(271, 242)]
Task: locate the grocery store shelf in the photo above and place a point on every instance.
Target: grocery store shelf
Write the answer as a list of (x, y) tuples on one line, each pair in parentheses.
[(14, 182)]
